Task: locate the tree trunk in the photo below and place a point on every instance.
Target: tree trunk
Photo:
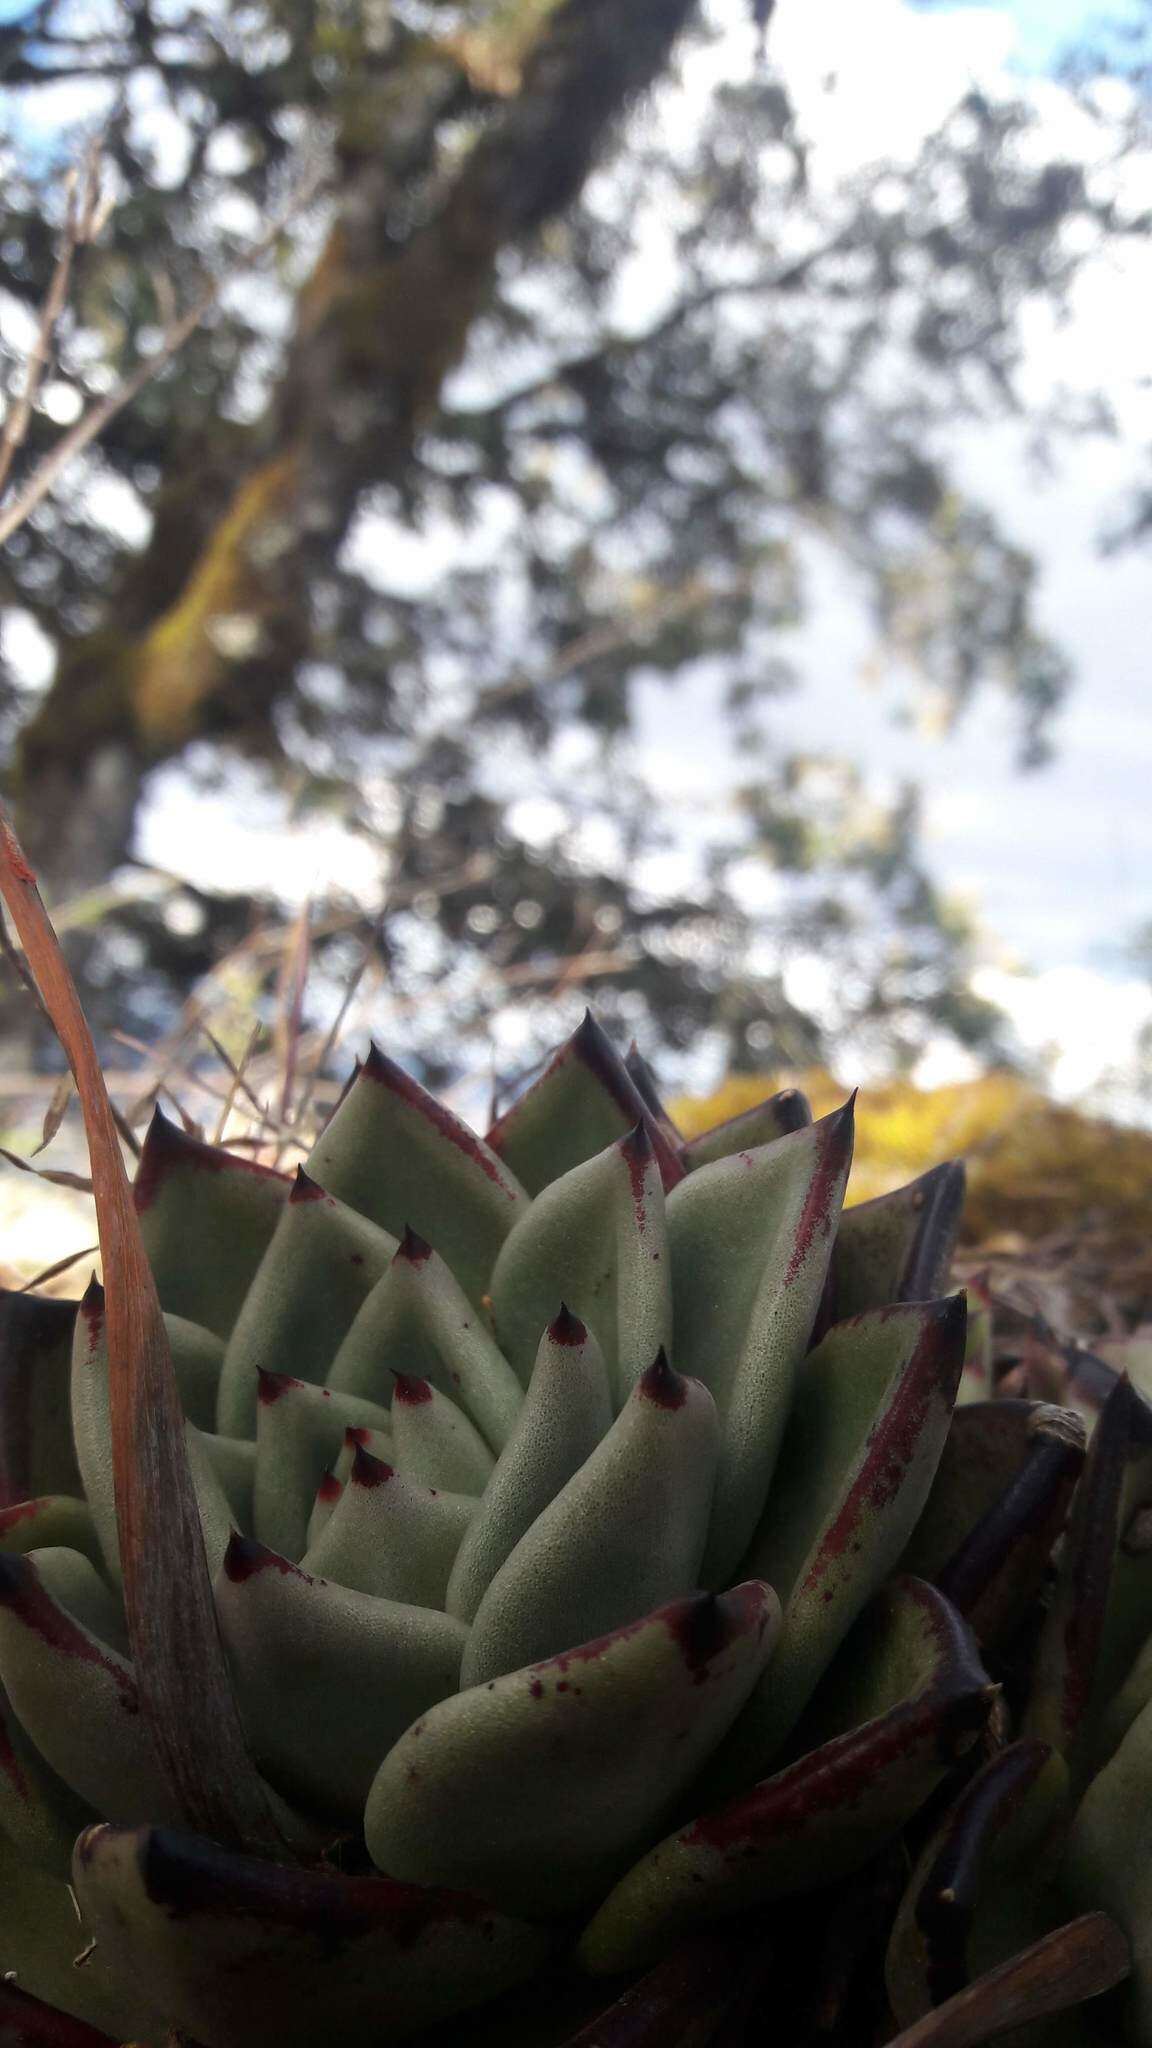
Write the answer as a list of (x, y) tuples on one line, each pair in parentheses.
[(212, 619)]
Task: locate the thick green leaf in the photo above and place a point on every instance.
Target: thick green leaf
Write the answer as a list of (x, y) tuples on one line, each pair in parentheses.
[(595, 1239), (898, 1247), (1101, 1611), (396, 1154), (78, 1700), (1044, 1982), (322, 1260), (419, 1321), (299, 1431), (207, 1217), (998, 1573), (53, 1520), (773, 1118), (36, 1454), (872, 1409), (1109, 1860), (25, 2022), (240, 1953), (583, 1101), (327, 1678), (623, 1536), (537, 1790), (434, 1444), (989, 1446), (567, 1409), (40, 1939), (998, 1818), (39, 1814), (389, 1537), (750, 1237), (914, 1697)]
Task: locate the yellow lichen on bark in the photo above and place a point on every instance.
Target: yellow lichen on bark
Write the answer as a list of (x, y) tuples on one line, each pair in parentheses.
[(219, 617)]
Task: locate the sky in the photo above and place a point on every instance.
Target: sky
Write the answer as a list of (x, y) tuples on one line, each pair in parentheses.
[(1055, 866)]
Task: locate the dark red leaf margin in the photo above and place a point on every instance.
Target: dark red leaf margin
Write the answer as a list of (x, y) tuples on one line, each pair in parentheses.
[(185, 1686)]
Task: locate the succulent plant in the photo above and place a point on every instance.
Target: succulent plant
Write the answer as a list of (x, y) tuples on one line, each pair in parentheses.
[(500, 1569)]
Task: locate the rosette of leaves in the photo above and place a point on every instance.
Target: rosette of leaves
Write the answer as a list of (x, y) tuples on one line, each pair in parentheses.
[(463, 1586)]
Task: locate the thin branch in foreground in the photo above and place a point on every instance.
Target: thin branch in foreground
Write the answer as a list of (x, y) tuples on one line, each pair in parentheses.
[(93, 422)]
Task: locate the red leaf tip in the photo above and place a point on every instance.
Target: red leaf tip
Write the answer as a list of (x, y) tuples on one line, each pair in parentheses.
[(305, 1189), (661, 1385), (413, 1248), (410, 1389), (565, 1328), (245, 1557), (368, 1470)]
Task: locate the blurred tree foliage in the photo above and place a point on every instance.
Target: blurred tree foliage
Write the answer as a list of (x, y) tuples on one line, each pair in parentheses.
[(576, 283)]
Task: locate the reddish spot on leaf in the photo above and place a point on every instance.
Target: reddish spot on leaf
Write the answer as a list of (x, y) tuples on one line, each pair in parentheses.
[(329, 1488), (413, 1248), (832, 1159), (245, 1557), (410, 1390), (21, 1511), (369, 1471)]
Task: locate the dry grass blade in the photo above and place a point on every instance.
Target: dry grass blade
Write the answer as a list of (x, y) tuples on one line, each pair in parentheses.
[(290, 1009), (53, 1272), (185, 1687), (57, 1175), (237, 1083), (55, 1112), (1078, 1961)]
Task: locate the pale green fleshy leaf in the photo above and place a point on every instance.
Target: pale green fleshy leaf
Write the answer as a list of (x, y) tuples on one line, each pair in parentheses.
[(419, 1321), (899, 1246), (912, 1697), (541, 1786), (625, 1535), (595, 1239), (299, 1431), (327, 1678), (207, 1218), (433, 1442), (40, 1937), (77, 1699), (233, 1460), (788, 1110), (750, 1239), (197, 1356), (40, 1816), (36, 1451), (241, 1953), (441, 1179), (567, 1409), (388, 1537), (1108, 1863), (72, 1580), (327, 1494), (378, 1441), (54, 1520), (583, 1101), (871, 1414), (322, 1261)]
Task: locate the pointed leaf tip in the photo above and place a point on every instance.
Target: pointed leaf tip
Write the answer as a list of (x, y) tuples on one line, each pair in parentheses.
[(661, 1385), (305, 1189), (413, 1248), (368, 1470), (271, 1385), (565, 1328), (245, 1556)]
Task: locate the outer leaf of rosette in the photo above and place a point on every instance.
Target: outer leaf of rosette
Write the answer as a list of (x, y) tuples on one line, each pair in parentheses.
[(322, 1261), (434, 1444), (914, 1697), (36, 1453), (327, 1678), (207, 1218), (77, 1699), (40, 1937), (396, 1154), (898, 1247), (418, 1320), (300, 1429), (1108, 1863), (750, 1239), (240, 1953), (861, 1448), (624, 1536), (25, 2022), (92, 1430), (544, 1784), (388, 1537), (988, 1843), (40, 1815), (566, 1412), (994, 1567), (55, 1520), (1100, 1615), (787, 1110), (595, 1239), (583, 1101)]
